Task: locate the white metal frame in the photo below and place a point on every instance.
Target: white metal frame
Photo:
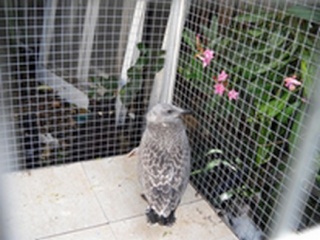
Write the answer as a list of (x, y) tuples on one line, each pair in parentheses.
[(131, 54), (164, 81)]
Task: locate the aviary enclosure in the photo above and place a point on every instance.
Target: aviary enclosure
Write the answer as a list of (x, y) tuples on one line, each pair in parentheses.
[(78, 77)]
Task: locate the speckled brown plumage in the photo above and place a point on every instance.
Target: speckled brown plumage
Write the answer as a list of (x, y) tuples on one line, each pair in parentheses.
[(164, 162)]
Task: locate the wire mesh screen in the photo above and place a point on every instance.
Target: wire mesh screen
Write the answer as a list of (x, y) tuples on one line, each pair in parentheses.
[(247, 69), (77, 78), (78, 75)]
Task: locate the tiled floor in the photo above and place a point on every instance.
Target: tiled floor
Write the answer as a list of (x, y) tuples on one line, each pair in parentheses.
[(98, 200)]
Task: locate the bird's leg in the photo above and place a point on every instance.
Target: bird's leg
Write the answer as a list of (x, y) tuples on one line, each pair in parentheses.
[(133, 152), (168, 221), (152, 217)]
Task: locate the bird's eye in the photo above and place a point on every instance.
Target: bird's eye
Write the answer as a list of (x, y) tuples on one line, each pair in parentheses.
[(169, 111)]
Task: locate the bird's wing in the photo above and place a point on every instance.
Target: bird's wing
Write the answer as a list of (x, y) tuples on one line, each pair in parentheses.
[(164, 173)]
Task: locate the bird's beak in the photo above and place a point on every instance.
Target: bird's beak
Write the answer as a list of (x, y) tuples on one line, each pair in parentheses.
[(186, 112), (182, 111)]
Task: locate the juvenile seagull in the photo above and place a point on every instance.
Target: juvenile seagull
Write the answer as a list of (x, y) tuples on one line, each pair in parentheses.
[(164, 162)]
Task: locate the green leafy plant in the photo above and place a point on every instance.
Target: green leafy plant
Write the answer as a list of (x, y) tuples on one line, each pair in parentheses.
[(235, 166), (149, 62), (103, 87), (270, 58), (216, 163), (270, 47)]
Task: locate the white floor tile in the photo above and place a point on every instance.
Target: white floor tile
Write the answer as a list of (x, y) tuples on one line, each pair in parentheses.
[(194, 221), (51, 200), (116, 183), (77, 201)]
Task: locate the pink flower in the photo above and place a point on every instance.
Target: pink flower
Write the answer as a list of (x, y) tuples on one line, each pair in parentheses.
[(206, 57), (291, 83), (219, 89), (222, 76), (233, 94)]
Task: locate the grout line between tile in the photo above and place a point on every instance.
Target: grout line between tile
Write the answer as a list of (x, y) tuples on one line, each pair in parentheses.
[(95, 194), (191, 202), (74, 231), (97, 198), (126, 218)]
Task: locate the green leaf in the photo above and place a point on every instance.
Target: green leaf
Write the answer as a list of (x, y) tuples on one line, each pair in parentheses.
[(141, 62), (227, 195), (249, 18), (275, 40), (311, 14), (293, 135), (219, 43), (156, 68), (134, 72), (212, 151), (274, 107), (278, 105), (128, 92), (318, 180), (264, 140), (197, 69), (91, 93), (44, 88), (196, 172), (256, 32), (284, 60), (211, 31), (213, 102), (189, 38), (160, 62), (157, 53), (308, 70), (238, 161), (227, 164), (284, 116), (217, 162), (256, 18), (295, 129), (261, 94), (142, 48), (263, 155), (212, 164), (162, 52)]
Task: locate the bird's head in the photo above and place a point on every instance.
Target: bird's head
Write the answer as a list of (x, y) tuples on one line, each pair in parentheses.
[(165, 113)]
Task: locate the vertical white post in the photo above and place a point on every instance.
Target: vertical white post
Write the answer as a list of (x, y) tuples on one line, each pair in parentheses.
[(47, 31), (178, 11), (131, 53), (128, 10), (4, 150), (9, 161), (64, 89), (158, 80), (135, 36), (92, 13), (69, 33)]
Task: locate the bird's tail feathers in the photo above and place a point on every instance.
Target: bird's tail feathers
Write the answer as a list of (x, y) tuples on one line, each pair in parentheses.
[(154, 217)]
